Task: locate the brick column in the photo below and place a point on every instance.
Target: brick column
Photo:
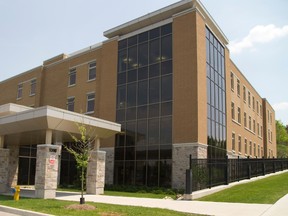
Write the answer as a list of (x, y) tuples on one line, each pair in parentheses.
[(96, 173), (4, 169), (46, 171)]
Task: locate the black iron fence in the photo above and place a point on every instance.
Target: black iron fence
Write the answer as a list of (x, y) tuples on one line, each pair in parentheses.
[(206, 173)]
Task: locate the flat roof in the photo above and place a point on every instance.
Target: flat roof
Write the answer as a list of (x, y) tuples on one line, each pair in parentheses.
[(50, 118), (160, 15)]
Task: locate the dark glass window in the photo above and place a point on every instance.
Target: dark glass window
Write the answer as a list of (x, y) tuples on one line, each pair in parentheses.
[(143, 154), (216, 100)]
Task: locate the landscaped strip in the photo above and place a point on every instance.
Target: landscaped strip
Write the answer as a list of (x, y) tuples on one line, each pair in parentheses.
[(58, 207), (264, 191)]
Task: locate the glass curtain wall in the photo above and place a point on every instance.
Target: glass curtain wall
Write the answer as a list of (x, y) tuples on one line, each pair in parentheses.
[(143, 154), (216, 97)]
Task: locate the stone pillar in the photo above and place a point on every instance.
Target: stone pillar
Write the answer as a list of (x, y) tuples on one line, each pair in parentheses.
[(180, 156), (109, 165), (46, 171), (96, 173), (4, 170)]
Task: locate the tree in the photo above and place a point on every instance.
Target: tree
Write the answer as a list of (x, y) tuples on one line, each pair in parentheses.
[(81, 149), (281, 139)]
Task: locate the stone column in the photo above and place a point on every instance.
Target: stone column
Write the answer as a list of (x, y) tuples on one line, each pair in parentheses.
[(180, 156), (4, 168), (96, 173), (46, 171)]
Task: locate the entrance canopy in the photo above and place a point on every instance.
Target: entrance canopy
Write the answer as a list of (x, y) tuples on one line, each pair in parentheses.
[(26, 125)]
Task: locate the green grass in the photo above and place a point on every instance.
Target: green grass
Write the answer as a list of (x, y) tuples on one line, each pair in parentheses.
[(57, 207), (264, 191)]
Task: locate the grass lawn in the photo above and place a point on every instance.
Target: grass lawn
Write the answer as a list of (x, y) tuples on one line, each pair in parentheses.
[(264, 191), (58, 207)]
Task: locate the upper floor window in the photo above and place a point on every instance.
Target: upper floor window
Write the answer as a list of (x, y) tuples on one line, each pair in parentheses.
[(239, 144), (90, 102), (245, 119), (245, 143), (249, 98), (249, 122), (33, 87), (70, 103), (238, 87), (253, 102), (244, 93), (92, 71), (260, 110), (257, 107), (20, 91), (239, 115), (233, 110), (233, 141), (232, 80), (72, 77)]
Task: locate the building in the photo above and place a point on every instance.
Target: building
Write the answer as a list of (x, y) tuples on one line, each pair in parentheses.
[(168, 79)]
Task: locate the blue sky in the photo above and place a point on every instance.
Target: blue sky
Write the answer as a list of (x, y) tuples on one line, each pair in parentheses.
[(32, 31)]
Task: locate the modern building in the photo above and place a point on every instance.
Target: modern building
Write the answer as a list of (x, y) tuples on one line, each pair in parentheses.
[(168, 79)]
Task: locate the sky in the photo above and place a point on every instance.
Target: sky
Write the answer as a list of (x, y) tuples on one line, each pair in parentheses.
[(32, 31)]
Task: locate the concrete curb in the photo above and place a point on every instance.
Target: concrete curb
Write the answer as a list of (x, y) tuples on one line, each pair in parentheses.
[(21, 212)]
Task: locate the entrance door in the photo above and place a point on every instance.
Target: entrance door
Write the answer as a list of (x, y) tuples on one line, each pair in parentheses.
[(27, 165)]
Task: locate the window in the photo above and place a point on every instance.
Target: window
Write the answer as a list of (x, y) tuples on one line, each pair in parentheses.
[(239, 144), (70, 103), (20, 91), (72, 77), (261, 131), (238, 87), (271, 118), (250, 148), (258, 129), (254, 149), (257, 107), (33, 87), (233, 111), (239, 115), (245, 119), (250, 122), (232, 81), (269, 134), (92, 71), (254, 126), (253, 102), (260, 110), (233, 141), (90, 102), (259, 155), (245, 143), (244, 93), (249, 98)]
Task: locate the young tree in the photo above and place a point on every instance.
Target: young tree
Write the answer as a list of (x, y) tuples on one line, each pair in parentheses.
[(80, 149), (281, 139)]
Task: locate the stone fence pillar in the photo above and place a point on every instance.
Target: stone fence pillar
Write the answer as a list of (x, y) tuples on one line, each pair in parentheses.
[(4, 169), (46, 171), (96, 173)]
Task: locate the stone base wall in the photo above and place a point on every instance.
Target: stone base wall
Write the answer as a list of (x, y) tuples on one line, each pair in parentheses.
[(46, 171), (109, 166), (180, 157), (4, 170), (96, 173), (13, 164)]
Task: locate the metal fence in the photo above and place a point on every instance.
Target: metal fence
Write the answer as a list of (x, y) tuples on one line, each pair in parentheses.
[(206, 173)]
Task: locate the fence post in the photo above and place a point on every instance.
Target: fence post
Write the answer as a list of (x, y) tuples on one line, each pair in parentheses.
[(249, 168), (227, 170), (188, 188), (263, 166), (274, 167)]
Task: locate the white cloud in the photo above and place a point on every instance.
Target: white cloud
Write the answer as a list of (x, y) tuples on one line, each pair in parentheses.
[(258, 34), (281, 106)]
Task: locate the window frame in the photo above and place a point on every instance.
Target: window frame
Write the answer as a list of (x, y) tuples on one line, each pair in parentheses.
[(72, 71), (69, 103), (19, 91), (90, 69), (88, 100), (33, 84)]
